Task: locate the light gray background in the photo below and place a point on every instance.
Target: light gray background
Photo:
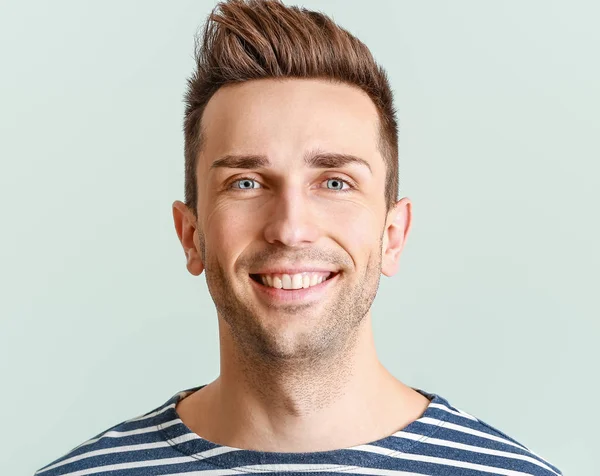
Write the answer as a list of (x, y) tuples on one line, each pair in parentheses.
[(494, 306)]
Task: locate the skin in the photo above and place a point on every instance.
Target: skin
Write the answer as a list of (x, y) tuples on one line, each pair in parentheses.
[(292, 373)]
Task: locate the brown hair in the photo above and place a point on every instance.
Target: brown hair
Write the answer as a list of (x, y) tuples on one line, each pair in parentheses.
[(255, 39)]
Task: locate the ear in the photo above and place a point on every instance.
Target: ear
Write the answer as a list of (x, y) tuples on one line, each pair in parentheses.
[(185, 225), (395, 233)]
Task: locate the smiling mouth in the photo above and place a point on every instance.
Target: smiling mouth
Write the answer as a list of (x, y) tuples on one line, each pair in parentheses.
[(257, 278)]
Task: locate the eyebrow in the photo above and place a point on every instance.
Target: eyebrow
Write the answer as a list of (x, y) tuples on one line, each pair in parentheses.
[(321, 160)]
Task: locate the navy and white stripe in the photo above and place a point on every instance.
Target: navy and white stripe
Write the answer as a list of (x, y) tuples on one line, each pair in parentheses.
[(444, 441)]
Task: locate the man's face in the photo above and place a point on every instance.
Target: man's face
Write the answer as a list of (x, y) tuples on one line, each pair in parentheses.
[(291, 216)]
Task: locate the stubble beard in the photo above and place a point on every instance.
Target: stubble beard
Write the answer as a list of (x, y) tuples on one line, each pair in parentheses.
[(325, 346)]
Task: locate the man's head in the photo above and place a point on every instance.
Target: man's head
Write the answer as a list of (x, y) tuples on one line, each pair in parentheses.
[(291, 166)]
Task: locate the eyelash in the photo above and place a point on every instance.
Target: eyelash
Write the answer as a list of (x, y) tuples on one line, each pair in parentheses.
[(348, 182)]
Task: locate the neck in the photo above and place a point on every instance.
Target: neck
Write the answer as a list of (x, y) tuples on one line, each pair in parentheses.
[(302, 407)]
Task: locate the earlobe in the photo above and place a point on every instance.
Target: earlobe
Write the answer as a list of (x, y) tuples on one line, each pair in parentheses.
[(395, 235), (185, 226), (194, 263)]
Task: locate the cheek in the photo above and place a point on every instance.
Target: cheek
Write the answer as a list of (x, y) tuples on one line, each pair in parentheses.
[(356, 224), (229, 229)]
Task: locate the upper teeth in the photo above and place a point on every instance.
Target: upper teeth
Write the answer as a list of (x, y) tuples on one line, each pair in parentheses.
[(293, 281)]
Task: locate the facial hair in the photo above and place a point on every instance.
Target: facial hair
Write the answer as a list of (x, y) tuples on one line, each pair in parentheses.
[(347, 305)]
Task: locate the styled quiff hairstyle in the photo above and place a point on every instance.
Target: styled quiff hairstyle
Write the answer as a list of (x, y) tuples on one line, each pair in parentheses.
[(256, 39)]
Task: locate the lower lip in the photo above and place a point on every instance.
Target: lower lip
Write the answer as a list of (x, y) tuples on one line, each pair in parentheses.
[(311, 293)]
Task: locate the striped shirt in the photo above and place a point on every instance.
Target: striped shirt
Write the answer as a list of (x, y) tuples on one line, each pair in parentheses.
[(443, 441)]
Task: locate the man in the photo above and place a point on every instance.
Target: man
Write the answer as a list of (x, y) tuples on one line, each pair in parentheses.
[(292, 213)]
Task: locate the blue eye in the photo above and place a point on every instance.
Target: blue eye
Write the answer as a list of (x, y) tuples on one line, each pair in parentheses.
[(339, 182), (245, 181)]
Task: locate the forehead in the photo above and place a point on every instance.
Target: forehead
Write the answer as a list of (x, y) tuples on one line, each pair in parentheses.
[(284, 118)]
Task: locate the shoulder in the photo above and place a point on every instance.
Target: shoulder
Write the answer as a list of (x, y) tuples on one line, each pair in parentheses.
[(108, 448), (470, 442)]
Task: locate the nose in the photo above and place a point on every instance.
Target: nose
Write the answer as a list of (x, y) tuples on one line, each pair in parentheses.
[(292, 221)]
